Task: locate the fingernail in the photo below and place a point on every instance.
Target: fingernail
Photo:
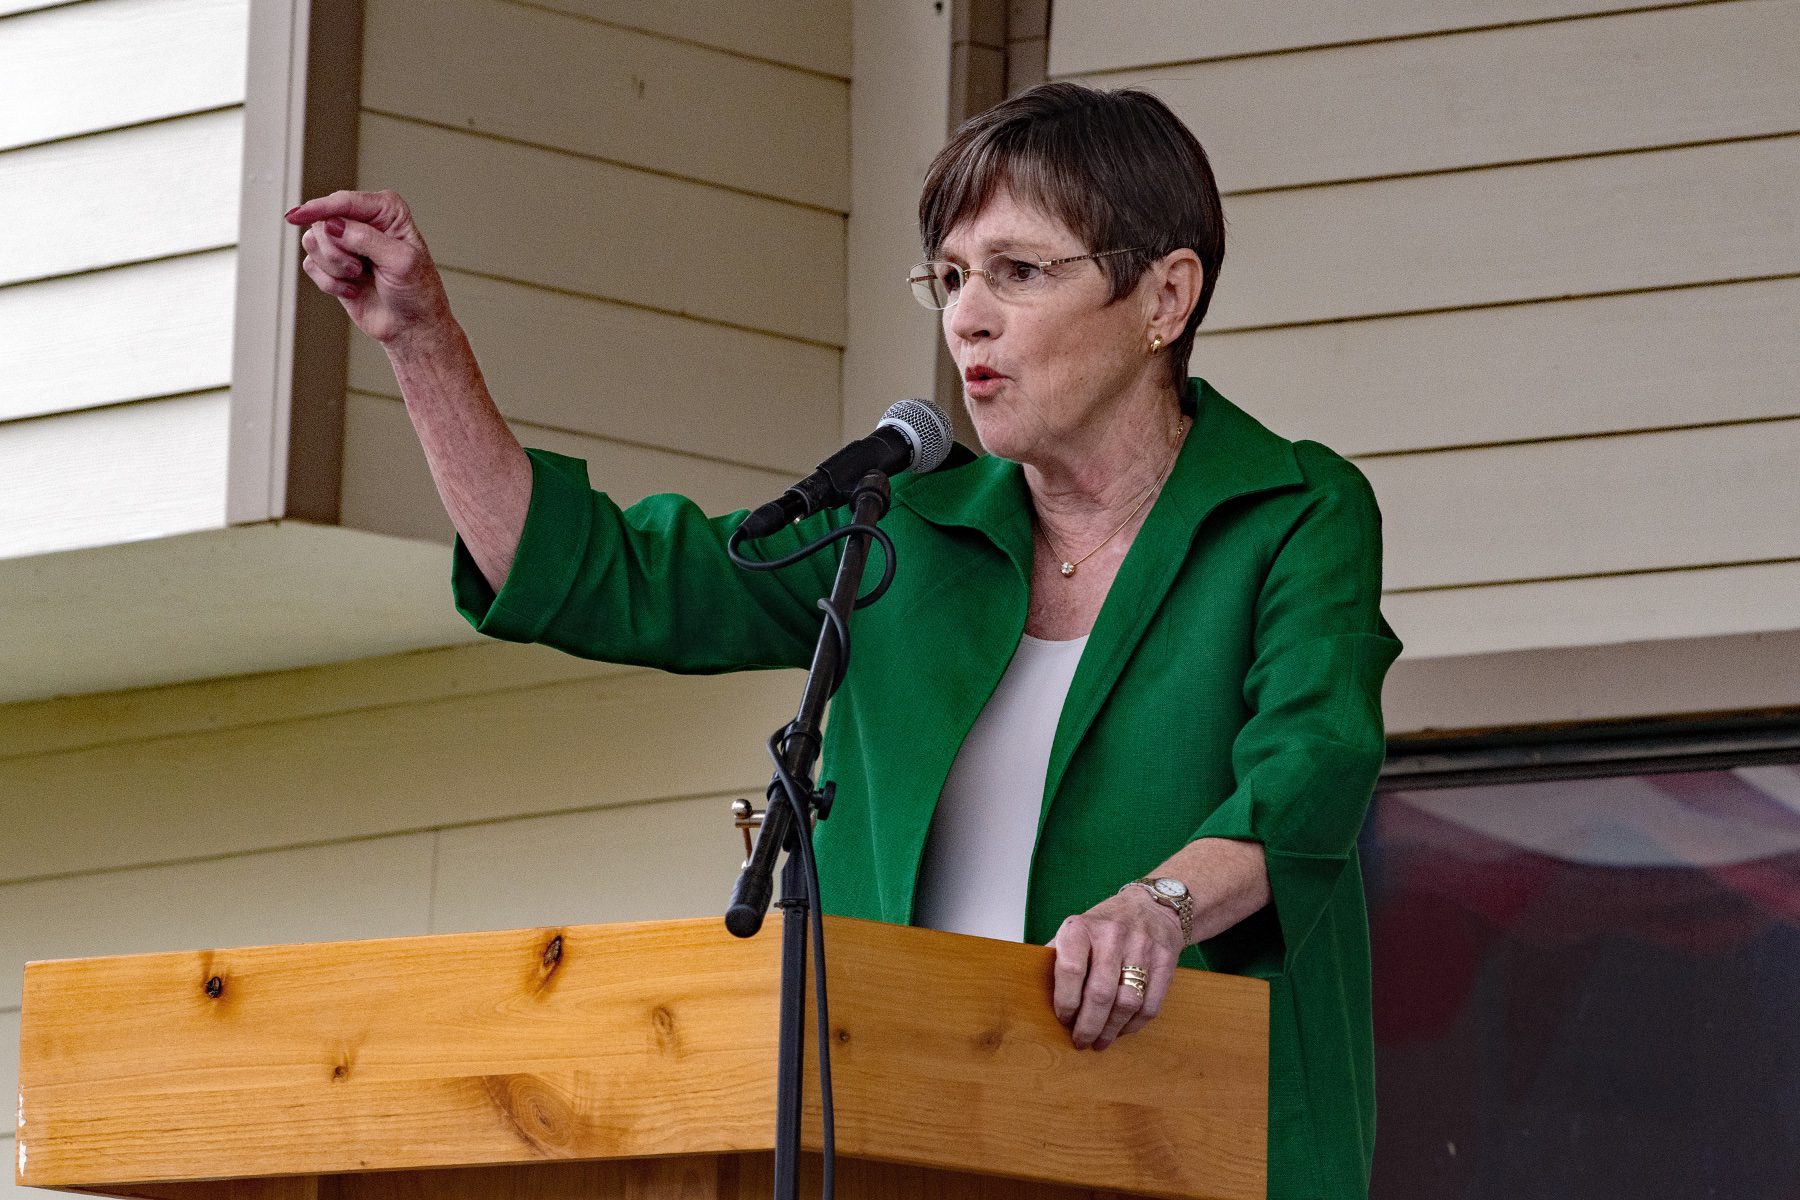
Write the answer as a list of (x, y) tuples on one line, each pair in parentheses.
[(290, 212), (335, 227)]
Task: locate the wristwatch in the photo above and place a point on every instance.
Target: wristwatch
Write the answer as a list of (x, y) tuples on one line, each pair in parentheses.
[(1170, 893)]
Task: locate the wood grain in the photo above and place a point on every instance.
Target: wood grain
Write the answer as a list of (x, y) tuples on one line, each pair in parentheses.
[(376, 887), (616, 1042)]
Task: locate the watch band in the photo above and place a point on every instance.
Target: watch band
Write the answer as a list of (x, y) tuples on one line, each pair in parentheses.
[(1183, 905)]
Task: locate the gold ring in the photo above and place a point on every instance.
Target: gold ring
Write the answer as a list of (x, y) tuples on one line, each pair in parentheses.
[(1134, 977)]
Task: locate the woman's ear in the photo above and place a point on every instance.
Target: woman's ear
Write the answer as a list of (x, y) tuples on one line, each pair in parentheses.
[(1179, 278)]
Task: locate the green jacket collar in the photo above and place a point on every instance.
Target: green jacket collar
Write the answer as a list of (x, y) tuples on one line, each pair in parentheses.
[(1228, 454)]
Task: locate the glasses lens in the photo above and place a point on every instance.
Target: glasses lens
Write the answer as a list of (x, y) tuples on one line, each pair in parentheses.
[(935, 284), (1010, 276)]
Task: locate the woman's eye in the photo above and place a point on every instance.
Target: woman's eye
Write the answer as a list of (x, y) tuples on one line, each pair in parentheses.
[(1017, 270), (949, 278)]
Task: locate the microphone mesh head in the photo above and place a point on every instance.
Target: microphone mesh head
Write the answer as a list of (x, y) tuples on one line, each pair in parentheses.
[(926, 427)]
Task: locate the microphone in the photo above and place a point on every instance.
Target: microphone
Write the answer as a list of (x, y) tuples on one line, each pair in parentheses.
[(913, 435)]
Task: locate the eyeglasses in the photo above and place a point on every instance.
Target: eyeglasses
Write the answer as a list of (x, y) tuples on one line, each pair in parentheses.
[(938, 285)]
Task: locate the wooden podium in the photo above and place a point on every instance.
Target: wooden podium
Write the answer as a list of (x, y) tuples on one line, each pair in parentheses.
[(632, 1060)]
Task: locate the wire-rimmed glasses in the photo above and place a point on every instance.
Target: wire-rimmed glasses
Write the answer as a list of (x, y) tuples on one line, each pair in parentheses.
[(937, 284)]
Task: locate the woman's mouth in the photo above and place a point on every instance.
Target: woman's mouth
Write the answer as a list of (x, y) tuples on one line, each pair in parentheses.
[(982, 381)]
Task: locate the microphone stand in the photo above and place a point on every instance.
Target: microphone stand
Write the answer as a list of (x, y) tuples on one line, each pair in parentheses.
[(799, 743)]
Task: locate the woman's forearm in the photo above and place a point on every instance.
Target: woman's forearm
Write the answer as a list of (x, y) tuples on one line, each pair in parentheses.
[(1227, 879), (481, 471)]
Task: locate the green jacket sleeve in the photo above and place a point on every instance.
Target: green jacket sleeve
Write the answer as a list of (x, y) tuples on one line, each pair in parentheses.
[(1306, 760), (649, 585)]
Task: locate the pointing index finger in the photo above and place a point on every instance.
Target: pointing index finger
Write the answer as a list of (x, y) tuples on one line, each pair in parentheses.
[(367, 207)]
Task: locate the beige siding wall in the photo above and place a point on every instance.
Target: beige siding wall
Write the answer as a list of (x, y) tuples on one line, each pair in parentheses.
[(120, 140), (1535, 266), (641, 221)]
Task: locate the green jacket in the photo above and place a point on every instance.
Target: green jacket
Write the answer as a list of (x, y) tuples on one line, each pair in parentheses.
[(1230, 688)]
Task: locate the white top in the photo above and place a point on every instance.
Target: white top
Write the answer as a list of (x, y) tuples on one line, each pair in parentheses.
[(978, 855)]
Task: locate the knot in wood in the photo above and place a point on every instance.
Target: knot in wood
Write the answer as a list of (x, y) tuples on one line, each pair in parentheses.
[(662, 1030), (536, 1111), (553, 953), (215, 987)]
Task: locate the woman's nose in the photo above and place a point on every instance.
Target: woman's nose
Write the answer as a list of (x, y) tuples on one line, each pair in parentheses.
[(976, 312)]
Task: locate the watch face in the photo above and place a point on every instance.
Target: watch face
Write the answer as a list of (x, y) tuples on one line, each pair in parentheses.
[(1172, 888)]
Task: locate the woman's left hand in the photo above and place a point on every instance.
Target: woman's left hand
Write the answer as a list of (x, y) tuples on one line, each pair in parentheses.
[(1128, 929)]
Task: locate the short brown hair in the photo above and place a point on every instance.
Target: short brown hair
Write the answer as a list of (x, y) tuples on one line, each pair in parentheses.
[(1117, 167)]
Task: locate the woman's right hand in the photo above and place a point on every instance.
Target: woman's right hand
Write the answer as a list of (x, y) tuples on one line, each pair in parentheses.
[(363, 248)]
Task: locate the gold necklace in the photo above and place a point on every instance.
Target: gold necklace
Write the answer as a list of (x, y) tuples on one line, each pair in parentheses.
[(1068, 568)]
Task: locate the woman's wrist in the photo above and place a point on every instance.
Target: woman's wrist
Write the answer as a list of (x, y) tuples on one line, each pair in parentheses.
[(1148, 896), (424, 341)]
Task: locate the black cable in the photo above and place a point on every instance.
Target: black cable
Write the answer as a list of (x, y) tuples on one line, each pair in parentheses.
[(790, 789), (800, 799), (875, 532)]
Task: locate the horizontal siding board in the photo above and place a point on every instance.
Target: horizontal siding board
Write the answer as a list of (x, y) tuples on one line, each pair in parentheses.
[(678, 858), (364, 889), (1689, 497), (1638, 81), (107, 63), (152, 329), (1626, 222), (1680, 357), (611, 93), (81, 204), (610, 370), (110, 475), (1703, 676), (78, 722), (1655, 606), (602, 230), (1105, 35), (391, 769), (814, 34), (388, 488), (13, 7)]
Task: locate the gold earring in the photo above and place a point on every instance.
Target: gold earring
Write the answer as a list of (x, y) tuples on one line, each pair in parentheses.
[(1156, 343)]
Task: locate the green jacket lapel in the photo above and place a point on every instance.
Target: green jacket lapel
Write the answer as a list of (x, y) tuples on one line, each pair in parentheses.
[(1228, 454)]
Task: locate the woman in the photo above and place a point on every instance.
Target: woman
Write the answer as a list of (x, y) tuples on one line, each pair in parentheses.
[(1123, 696)]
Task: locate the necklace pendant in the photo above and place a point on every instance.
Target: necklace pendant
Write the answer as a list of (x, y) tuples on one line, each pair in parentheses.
[(1068, 569)]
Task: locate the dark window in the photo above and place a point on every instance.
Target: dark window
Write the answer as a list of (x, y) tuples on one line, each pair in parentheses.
[(1587, 967)]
